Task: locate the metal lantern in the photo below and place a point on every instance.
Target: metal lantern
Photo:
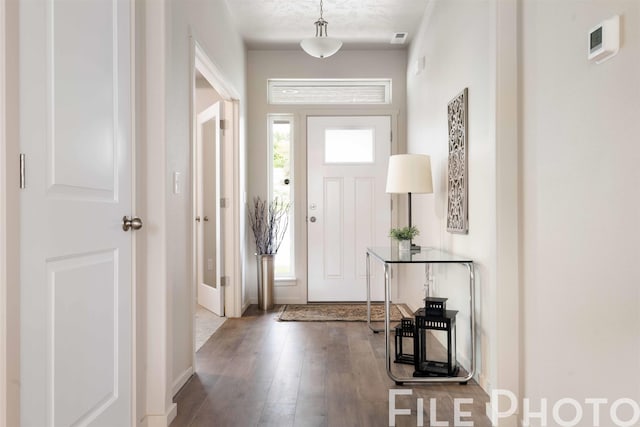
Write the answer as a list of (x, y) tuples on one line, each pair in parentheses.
[(427, 363), (405, 330)]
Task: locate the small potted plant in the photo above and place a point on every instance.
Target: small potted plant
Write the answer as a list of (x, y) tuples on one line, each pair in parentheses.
[(404, 236)]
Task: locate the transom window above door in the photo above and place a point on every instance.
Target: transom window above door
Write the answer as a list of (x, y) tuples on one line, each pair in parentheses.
[(330, 91)]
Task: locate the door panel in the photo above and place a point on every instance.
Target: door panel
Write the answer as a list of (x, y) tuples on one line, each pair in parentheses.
[(209, 257), (84, 319), (348, 208), (76, 266)]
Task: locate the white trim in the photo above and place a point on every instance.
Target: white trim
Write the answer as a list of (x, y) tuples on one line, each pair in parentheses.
[(309, 85), (507, 343), (291, 120), (181, 380), (238, 214), (3, 226), (9, 217), (134, 208), (510, 421), (163, 420), (301, 165), (159, 334), (246, 305), (212, 73)]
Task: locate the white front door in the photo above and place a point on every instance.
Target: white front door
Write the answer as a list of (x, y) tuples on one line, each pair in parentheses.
[(348, 209), (76, 260), (208, 218)]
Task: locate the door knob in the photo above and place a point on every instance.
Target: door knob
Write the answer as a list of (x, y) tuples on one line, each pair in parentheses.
[(131, 223), (197, 219), (312, 219), (206, 218)]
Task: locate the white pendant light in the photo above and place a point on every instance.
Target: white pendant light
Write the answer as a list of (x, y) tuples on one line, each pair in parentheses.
[(321, 46)]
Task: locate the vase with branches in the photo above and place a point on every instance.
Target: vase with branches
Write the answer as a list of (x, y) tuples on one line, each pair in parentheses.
[(269, 222)]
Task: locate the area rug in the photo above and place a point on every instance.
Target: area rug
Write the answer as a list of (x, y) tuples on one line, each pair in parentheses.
[(339, 312)]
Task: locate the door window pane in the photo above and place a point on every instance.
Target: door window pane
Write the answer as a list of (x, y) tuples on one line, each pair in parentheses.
[(348, 146)]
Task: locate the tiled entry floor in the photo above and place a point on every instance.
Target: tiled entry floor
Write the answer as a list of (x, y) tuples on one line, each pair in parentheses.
[(206, 324)]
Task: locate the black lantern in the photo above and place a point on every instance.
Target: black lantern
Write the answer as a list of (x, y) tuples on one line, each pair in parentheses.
[(405, 330), (434, 317)]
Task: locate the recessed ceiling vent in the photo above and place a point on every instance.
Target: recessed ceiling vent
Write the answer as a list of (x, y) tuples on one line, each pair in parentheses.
[(399, 38)]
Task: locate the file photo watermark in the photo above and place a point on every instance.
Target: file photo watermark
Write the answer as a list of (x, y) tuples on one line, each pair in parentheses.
[(566, 412)]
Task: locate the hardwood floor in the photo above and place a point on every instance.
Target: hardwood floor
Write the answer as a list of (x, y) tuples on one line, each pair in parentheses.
[(256, 371)]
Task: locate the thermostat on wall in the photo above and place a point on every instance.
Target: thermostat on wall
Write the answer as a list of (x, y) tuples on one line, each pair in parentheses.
[(604, 40)]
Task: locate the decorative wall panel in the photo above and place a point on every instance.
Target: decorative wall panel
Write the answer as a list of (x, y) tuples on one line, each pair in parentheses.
[(458, 186)]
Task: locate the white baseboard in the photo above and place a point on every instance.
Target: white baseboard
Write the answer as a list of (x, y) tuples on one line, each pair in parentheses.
[(291, 300), (483, 381), (510, 421), (245, 307), (181, 380), (163, 420)]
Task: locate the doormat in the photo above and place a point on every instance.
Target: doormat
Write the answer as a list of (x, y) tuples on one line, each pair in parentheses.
[(339, 312)]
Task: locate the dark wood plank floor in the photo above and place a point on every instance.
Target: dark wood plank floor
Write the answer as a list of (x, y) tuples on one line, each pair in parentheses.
[(256, 371)]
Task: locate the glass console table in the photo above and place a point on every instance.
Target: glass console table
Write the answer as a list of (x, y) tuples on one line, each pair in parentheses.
[(391, 255)]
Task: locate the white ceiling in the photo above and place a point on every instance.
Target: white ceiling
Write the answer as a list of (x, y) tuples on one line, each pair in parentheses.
[(360, 24)]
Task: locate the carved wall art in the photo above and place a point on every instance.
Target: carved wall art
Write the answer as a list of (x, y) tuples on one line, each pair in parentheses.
[(457, 197)]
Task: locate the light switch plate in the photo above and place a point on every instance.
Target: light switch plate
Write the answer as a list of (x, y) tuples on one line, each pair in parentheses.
[(177, 183)]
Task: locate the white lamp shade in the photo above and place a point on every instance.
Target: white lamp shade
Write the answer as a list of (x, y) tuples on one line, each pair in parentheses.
[(409, 173), (321, 47)]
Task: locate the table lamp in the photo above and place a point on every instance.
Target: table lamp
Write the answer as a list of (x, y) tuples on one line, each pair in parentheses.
[(409, 173)]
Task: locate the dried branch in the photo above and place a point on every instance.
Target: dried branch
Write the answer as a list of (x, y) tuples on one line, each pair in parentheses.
[(269, 222)]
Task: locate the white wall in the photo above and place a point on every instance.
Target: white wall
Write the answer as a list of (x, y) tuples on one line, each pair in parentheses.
[(455, 60), (165, 327), (580, 206), (264, 65), (212, 25)]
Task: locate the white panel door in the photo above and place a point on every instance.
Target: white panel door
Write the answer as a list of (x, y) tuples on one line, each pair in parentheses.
[(76, 266), (209, 260), (348, 209)]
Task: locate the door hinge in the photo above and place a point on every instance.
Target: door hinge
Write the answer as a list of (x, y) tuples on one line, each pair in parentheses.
[(224, 280), (223, 202), (391, 135), (22, 169)]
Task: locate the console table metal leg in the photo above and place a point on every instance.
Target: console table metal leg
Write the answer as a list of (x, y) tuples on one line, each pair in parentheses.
[(368, 274), (387, 335), (472, 316)]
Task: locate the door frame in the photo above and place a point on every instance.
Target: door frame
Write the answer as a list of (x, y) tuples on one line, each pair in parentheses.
[(397, 146), (230, 183), (9, 217)]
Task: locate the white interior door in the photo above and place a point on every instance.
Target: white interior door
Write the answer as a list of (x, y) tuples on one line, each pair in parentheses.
[(208, 218), (76, 267), (348, 209)]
